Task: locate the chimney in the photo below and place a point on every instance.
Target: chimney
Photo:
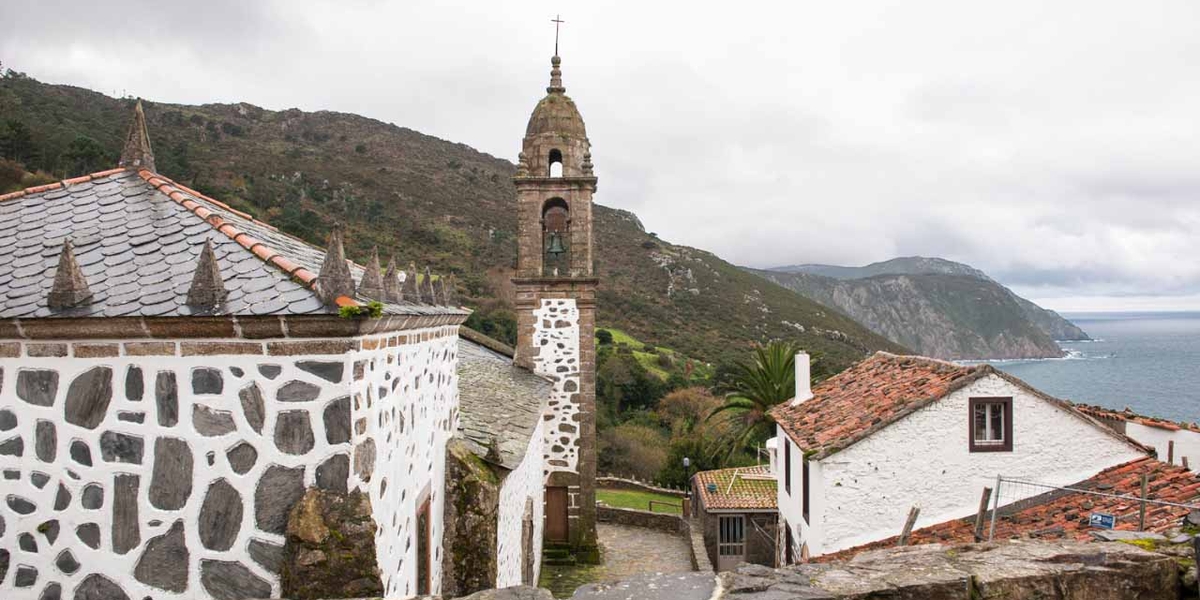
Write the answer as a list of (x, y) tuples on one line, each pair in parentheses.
[(803, 379)]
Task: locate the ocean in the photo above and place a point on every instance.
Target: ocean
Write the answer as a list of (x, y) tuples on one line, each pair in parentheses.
[(1149, 362)]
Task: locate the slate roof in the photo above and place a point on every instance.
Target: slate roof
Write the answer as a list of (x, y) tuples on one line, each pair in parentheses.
[(137, 237), (753, 488), (881, 390), (1064, 515), (500, 404)]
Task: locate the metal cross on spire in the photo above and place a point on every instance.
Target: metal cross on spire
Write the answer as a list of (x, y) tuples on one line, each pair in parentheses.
[(557, 20)]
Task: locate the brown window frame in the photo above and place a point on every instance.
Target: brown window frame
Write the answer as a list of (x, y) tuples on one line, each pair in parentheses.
[(787, 466), (1007, 402)]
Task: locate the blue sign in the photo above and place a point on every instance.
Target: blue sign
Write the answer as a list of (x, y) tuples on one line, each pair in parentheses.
[(1102, 520)]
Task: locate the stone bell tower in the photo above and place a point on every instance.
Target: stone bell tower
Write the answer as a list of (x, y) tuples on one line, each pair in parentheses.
[(556, 306)]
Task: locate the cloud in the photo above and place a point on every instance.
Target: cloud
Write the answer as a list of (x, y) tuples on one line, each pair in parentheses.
[(1053, 145)]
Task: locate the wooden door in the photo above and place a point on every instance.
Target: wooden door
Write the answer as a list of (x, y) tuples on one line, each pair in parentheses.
[(424, 551), (556, 515)]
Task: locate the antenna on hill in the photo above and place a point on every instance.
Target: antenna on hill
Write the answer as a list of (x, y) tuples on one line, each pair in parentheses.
[(557, 20)]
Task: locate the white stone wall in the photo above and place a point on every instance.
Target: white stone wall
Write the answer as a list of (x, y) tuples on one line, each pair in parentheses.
[(1187, 443), (406, 410), (189, 483), (791, 506), (522, 484), (924, 459), (556, 333)]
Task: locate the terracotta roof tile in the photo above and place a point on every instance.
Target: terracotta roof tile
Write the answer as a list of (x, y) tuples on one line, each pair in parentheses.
[(1060, 514), (742, 488), (1128, 415), (869, 396), (883, 389)]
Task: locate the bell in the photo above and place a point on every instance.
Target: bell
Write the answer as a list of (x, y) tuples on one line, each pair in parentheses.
[(556, 246)]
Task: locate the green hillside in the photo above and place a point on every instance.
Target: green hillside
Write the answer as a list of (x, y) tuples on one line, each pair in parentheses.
[(425, 200)]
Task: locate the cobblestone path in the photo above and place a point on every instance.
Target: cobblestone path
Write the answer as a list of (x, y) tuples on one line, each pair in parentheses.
[(630, 551), (627, 552)]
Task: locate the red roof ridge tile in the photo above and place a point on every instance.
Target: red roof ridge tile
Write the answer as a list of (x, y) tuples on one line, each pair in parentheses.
[(1130, 416), (178, 193), (37, 189)]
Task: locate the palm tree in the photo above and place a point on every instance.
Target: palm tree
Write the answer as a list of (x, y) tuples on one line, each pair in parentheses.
[(753, 389)]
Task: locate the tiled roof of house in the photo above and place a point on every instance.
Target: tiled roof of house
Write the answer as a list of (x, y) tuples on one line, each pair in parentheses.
[(741, 488), (867, 397), (881, 390), (1059, 514), (137, 237), (1129, 416), (500, 403)]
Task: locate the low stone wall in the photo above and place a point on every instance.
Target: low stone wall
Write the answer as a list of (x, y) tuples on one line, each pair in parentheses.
[(1016, 569), (695, 533), (640, 518), (620, 483)]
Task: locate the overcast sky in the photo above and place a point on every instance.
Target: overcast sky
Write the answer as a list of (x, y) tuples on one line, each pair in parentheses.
[(1055, 145)]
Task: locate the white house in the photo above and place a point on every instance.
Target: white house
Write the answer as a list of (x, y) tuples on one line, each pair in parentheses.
[(859, 450), (1175, 442)]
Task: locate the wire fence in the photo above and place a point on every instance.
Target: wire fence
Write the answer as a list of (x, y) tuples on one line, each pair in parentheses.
[(1012, 495)]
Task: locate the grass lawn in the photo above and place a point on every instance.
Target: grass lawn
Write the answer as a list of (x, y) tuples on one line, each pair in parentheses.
[(639, 500)]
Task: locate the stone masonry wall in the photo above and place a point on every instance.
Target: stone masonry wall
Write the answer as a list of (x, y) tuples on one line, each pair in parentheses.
[(557, 335), (136, 469), (521, 488), (556, 321)]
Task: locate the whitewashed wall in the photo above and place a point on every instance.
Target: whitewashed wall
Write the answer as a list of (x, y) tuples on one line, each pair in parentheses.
[(556, 333), (1187, 443), (924, 459), (207, 521), (406, 410), (523, 483)]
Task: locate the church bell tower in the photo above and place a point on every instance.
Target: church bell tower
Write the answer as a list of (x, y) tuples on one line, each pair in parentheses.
[(556, 306)]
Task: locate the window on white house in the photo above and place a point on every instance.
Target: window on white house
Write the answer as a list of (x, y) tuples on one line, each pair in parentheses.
[(991, 424), (787, 467)]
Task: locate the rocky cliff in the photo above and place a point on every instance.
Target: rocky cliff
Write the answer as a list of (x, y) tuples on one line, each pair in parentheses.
[(936, 307)]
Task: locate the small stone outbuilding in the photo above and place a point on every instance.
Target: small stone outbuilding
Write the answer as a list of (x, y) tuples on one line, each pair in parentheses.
[(736, 509)]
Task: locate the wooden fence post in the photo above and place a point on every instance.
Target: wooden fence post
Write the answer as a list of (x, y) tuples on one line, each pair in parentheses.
[(1170, 452), (1142, 504), (908, 525), (1184, 459), (983, 508)]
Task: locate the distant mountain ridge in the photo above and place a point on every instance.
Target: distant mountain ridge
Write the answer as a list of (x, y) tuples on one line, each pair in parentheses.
[(905, 265), (935, 306)]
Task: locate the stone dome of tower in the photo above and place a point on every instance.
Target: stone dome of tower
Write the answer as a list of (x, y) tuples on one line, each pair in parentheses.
[(556, 113)]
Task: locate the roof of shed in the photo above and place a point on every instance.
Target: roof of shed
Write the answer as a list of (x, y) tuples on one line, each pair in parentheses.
[(741, 488), (881, 390), (500, 404)]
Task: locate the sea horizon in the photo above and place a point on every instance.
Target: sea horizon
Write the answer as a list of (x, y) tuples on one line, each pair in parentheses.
[(1147, 361)]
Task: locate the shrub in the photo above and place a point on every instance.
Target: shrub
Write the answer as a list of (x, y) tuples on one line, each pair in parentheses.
[(632, 449), (604, 337)]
